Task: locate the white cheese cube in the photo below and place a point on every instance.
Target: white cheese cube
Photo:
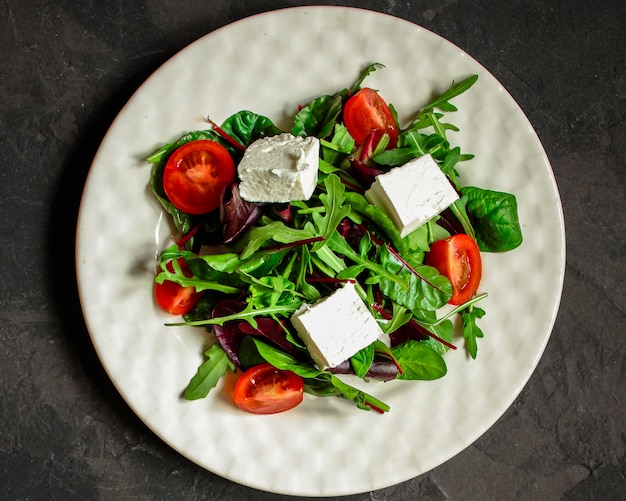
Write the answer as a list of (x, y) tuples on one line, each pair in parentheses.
[(336, 327), (279, 169), (413, 193)]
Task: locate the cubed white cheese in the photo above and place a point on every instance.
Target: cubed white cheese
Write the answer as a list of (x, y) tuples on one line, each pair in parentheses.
[(336, 327), (278, 169), (413, 193)]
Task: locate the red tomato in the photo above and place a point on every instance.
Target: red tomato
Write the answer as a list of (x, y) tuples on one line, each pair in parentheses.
[(365, 112), (173, 297), (458, 258), (195, 175), (264, 389)]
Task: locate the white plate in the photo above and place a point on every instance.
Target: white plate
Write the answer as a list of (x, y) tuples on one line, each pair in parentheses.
[(269, 63)]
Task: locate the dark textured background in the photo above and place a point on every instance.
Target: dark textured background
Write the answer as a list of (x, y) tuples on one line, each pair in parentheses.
[(67, 67)]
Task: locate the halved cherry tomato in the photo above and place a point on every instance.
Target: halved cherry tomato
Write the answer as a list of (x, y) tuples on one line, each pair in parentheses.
[(173, 297), (458, 258), (264, 389), (365, 112), (195, 175)]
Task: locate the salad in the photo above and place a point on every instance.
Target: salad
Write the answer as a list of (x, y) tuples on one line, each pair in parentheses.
[(255, 256)]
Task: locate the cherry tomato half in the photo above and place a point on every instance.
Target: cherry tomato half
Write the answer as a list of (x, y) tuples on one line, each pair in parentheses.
[(173, 297), (365, 112), (264, 389), (458, 258), (195, 175)]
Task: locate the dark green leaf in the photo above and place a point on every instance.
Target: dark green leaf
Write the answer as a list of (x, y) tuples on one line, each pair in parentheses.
[(495, 219), (427, 289), (419, 360), (166, 150), (318, 118), (246, 127)]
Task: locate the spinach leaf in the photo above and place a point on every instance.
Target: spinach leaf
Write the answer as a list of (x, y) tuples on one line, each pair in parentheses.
[(495, 219), (318, 118), (246, 127), (362, 360), (166, 150), (419, 360), (426, 288), (182, 221)]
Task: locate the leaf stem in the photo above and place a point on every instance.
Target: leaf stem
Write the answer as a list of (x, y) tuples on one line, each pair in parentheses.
[(297, 243), (456, 310), (409, 267), (225, 135)]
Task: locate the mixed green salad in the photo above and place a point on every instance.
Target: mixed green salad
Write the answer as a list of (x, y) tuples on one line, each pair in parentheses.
[(242, 268)]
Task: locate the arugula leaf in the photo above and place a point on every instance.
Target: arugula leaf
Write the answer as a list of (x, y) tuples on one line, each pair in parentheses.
[(377, 216), (471, 331), (442, 102), (336, 150), (339, 245), (419, 360), (271, 230), (216, 281), (248, 314), (335, 210), (364, 74), (271, 291), (209, 373), (310, 292)]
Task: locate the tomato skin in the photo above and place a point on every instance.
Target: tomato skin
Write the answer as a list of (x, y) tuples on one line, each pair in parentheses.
[(196, 174), (174, 298), (365, 112), (264, 389), (458, 258)]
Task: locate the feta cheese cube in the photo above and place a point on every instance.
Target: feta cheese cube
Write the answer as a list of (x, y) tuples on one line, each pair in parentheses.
[(336, 327), (279, 169), (413, 193)]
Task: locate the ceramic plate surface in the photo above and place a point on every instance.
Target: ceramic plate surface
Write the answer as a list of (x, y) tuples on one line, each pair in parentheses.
[(269, 64)]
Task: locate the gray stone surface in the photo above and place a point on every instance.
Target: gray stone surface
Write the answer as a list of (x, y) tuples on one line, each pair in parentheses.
[(67, 68)]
